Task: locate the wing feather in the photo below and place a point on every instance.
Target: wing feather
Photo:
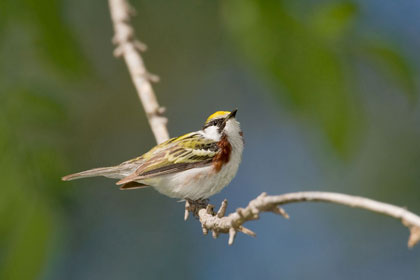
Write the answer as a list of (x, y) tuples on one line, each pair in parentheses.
[(177, 154)]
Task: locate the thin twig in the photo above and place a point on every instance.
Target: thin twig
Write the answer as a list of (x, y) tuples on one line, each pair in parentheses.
[(233, 223), (129, 47)]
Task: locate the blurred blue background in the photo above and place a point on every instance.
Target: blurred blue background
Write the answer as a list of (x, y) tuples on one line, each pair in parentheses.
[(327, 93)]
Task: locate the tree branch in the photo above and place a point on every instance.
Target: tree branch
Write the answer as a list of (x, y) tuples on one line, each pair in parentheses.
[(233, 223), (129, 47)]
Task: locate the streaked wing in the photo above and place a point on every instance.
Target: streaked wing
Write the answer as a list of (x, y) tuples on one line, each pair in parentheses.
[(177, 154)]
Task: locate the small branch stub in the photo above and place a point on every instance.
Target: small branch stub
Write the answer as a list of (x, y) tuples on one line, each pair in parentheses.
[(232, 235), (187, 210), (414, 236), (414, 233), (222, 210)]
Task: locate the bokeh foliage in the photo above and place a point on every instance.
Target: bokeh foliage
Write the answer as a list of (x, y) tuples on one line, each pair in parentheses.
[(32, 120), (309, 54), (30, 169)]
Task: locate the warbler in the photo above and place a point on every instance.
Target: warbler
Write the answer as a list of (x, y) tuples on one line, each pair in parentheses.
[(193, 166)]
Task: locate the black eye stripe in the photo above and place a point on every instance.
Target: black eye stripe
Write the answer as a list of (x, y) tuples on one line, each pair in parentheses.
[(216, 122)]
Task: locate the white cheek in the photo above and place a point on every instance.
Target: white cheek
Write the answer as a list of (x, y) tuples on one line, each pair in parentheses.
[(212, 132)]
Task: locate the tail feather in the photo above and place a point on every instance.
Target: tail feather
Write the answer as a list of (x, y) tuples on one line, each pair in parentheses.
[(110, 172)]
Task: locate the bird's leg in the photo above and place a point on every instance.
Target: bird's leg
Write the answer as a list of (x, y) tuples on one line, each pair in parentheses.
[(194, 206)]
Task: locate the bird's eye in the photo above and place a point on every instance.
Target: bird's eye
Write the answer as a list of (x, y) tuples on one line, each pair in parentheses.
[(217, 122)]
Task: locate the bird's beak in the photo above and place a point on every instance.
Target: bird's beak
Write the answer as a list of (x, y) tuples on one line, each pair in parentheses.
[(232, 114), (228, 117)]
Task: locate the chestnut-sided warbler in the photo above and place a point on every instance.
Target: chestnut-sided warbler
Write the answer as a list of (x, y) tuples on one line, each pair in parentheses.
[(194, 166)]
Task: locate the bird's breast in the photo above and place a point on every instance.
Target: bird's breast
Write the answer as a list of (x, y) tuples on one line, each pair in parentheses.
[(224, 154)]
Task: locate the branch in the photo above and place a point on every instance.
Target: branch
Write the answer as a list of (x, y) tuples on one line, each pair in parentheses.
[(129, 47), (234, 222)]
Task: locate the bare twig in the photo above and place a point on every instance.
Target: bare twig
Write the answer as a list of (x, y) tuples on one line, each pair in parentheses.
[(129, 47), (233, 223)]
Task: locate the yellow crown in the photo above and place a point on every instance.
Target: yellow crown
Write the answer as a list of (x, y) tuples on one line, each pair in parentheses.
[(218, 114)]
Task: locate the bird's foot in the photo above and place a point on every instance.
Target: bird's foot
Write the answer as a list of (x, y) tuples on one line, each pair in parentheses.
[(194, 206)]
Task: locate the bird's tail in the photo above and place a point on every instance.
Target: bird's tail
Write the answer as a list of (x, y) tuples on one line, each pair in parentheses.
[(110, 172)]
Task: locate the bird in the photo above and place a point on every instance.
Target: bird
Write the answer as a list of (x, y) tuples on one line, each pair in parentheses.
[(192, 167)]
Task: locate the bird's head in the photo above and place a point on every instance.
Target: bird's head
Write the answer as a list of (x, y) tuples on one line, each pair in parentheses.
[(222, 122)]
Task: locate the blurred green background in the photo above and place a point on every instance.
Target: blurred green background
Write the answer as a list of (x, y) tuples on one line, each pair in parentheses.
[(327, 93)]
